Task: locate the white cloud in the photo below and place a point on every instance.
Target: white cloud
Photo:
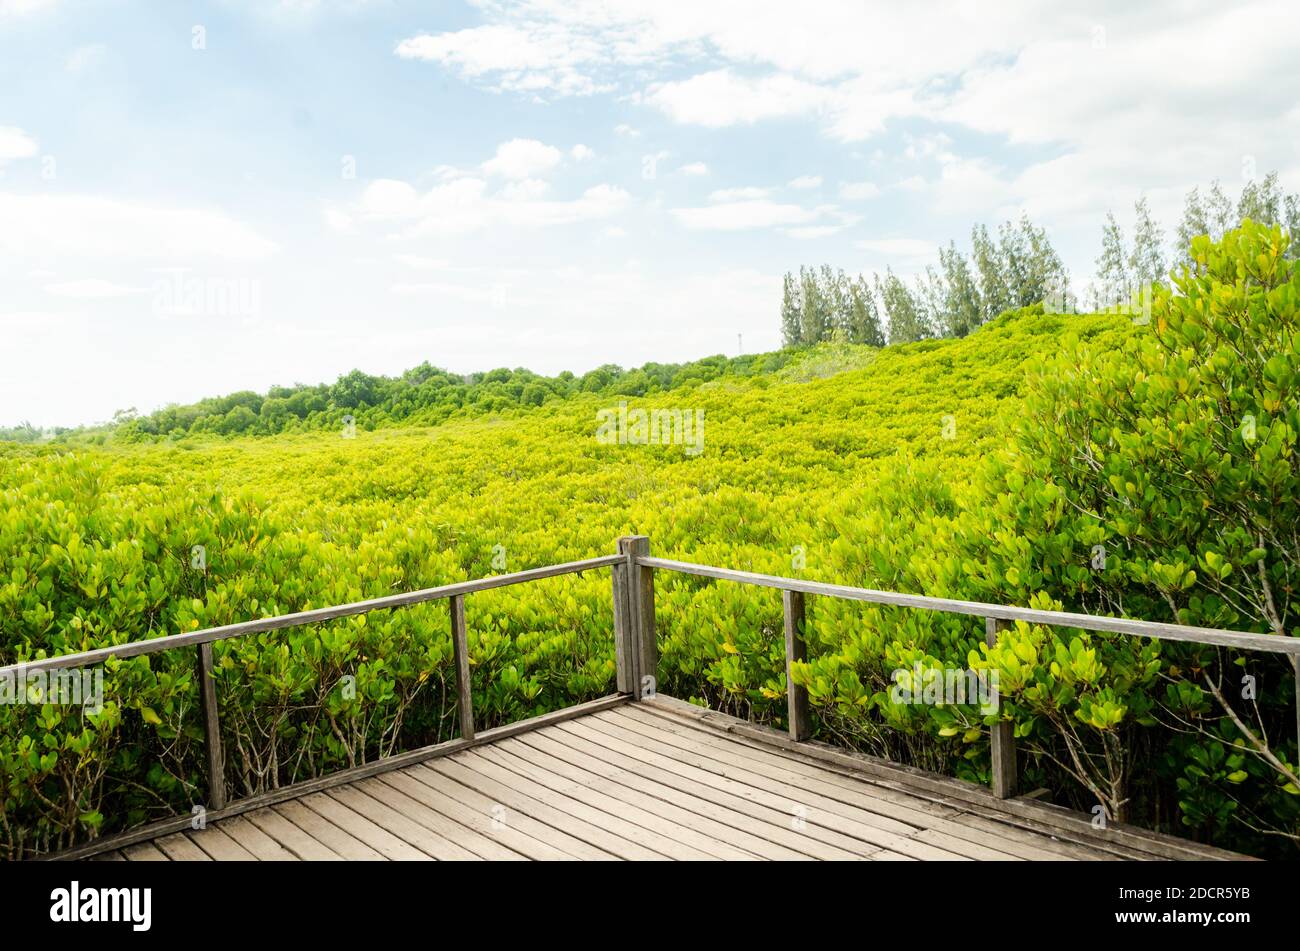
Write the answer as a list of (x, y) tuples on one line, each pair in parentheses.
[(908, 249), (1177, 92), (694, 169), (722, 98), (15, 144), (465, 205), (814, 231), (743, 215), (104, 227), (91, 289), (421, 263), (738, 194), (626, 130), (518, 60), (806, 182), (17, 8), (858, 191), (581, 153), (529, 189), (86, 58), (522, 158)]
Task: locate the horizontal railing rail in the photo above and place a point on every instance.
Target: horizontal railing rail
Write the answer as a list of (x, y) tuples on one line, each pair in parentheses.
[(1089, 622), (314, 616)]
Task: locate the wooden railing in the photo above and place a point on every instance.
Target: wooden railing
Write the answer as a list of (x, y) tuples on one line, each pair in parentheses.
[(202, 642), (636, 653), (997, 617)]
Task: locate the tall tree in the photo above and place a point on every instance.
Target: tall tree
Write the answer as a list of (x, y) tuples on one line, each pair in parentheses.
[(791, 312), (835, 285), (1196, 221), (864, 319), (1146, 260), (901, 312), (1111, 286), (931, 301), (994, 294), (1219, 212), (1261, 203), (816, 316), (1043, 275), (963, 309)]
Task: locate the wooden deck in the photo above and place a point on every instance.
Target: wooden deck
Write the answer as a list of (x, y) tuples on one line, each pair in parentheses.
[(654, 780)]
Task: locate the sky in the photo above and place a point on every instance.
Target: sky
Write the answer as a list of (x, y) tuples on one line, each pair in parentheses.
[(199, 198)]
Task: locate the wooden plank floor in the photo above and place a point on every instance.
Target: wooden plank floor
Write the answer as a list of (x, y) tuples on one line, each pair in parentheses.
[(648, 781)]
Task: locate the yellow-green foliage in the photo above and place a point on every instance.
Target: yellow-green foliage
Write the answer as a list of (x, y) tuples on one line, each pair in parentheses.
[(857, 477)]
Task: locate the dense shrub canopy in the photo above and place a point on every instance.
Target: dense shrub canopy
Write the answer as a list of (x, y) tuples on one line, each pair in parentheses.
[(993, 467)]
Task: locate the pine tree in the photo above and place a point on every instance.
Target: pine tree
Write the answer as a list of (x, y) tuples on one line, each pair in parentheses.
[(1195, 222), (1112, 282), (962, 308), (836, 287), (815, 319), (931, 300), (1044, 275), (1219, 212), (1146, 260), (901, 312), (791, 312), (994, 295), (1262, 203), (864, 323)]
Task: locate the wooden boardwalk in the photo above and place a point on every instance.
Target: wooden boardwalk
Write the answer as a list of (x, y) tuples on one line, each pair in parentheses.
[(655, 780)]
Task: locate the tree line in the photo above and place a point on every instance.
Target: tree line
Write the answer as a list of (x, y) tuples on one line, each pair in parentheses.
[(1014, 268), (1124, 268)]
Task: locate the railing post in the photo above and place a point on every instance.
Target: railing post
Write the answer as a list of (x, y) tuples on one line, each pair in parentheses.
[(635, 622), (1295, 665), (1001, 736), (211, 727), (460, 648), (796, 650)]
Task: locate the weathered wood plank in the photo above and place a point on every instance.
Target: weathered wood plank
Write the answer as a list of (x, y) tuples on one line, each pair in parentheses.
[(801, 811), (479, 846), (336, 839), (362, 827), (214, 841), (403, 827), (805, 805), (263, 847), (517, 831), (859, 791), (676, 823), (1117, 840), (516, 796), (291, 838), (179, 848), (707, 817), (734, 799), (144, 852), (606, 825)]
